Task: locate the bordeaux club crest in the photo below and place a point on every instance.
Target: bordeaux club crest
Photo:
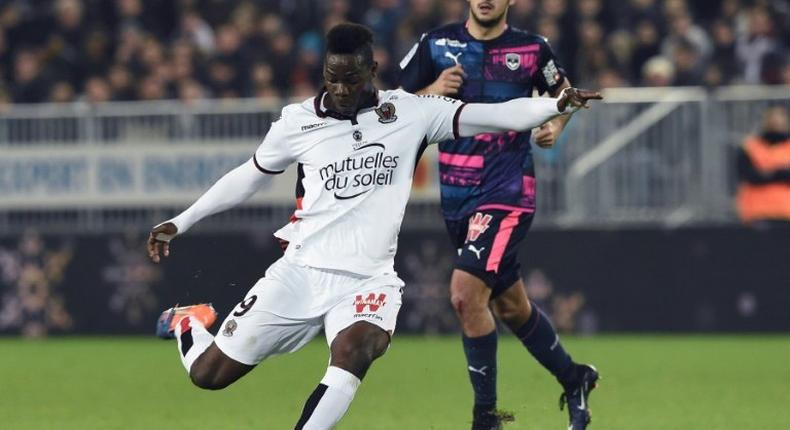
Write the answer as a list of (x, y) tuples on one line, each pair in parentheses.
[(386, 113), (513, 61)]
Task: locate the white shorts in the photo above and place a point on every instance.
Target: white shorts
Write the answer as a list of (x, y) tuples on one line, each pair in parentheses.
[(289, 306)]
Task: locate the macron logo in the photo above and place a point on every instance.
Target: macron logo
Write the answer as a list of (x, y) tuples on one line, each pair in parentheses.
[(313, 126)]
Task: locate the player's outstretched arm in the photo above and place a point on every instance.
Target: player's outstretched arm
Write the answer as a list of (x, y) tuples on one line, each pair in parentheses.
[(520, 114), (232, 189)]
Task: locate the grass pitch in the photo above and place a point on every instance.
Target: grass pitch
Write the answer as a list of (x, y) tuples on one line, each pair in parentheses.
[(656, 382)]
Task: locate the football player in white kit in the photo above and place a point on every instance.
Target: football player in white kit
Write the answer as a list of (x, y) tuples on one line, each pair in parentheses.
[(357, 148)]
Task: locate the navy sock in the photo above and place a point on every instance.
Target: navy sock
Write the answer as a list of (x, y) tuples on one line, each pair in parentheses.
[(481, 360), (542, 341)]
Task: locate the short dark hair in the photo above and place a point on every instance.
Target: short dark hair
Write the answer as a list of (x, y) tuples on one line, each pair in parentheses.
[(350, 38)]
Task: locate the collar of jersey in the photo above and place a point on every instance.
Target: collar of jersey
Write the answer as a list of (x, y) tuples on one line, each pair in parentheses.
[(496, 39), (369, 102)]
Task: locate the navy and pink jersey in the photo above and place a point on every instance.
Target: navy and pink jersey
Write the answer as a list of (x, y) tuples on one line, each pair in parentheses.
[(488, 171)]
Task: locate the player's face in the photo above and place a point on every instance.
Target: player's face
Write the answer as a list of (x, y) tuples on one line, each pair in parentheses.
[(489, 13), (347, 79)]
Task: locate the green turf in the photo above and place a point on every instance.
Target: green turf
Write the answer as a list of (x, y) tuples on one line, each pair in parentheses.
[(656, 382)]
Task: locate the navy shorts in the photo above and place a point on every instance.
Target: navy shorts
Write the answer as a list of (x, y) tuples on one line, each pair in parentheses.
[(488, 243)]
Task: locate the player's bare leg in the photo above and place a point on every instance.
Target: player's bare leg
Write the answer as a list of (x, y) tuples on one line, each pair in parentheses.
[(536, 332), (207, 365), (512, 307), (353, 351), (355, 348), (213, 370), (470, 297)]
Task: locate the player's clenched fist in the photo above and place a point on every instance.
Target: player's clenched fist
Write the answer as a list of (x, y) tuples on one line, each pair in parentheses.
[(159, 240), (448, 83), (547, 134), (576, 98)]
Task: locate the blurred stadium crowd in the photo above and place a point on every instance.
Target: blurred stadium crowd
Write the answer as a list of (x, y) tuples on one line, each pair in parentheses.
[(101, 50)]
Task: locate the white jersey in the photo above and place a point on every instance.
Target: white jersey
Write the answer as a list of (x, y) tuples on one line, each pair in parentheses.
[(356, 172), (357, 175)]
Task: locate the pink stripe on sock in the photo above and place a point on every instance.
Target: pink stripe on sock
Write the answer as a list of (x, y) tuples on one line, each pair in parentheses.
[(501, 240), (474, 161)]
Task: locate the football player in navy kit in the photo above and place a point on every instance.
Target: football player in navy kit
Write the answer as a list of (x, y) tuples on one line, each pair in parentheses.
[(488, 195)]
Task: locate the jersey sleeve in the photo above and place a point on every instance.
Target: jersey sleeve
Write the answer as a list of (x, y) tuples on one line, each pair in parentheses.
[(274, 154), (550, 74), (417, 70), (441, 116)]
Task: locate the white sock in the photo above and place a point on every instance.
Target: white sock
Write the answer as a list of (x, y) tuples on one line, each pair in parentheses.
[(193, 339), (330, 400)]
